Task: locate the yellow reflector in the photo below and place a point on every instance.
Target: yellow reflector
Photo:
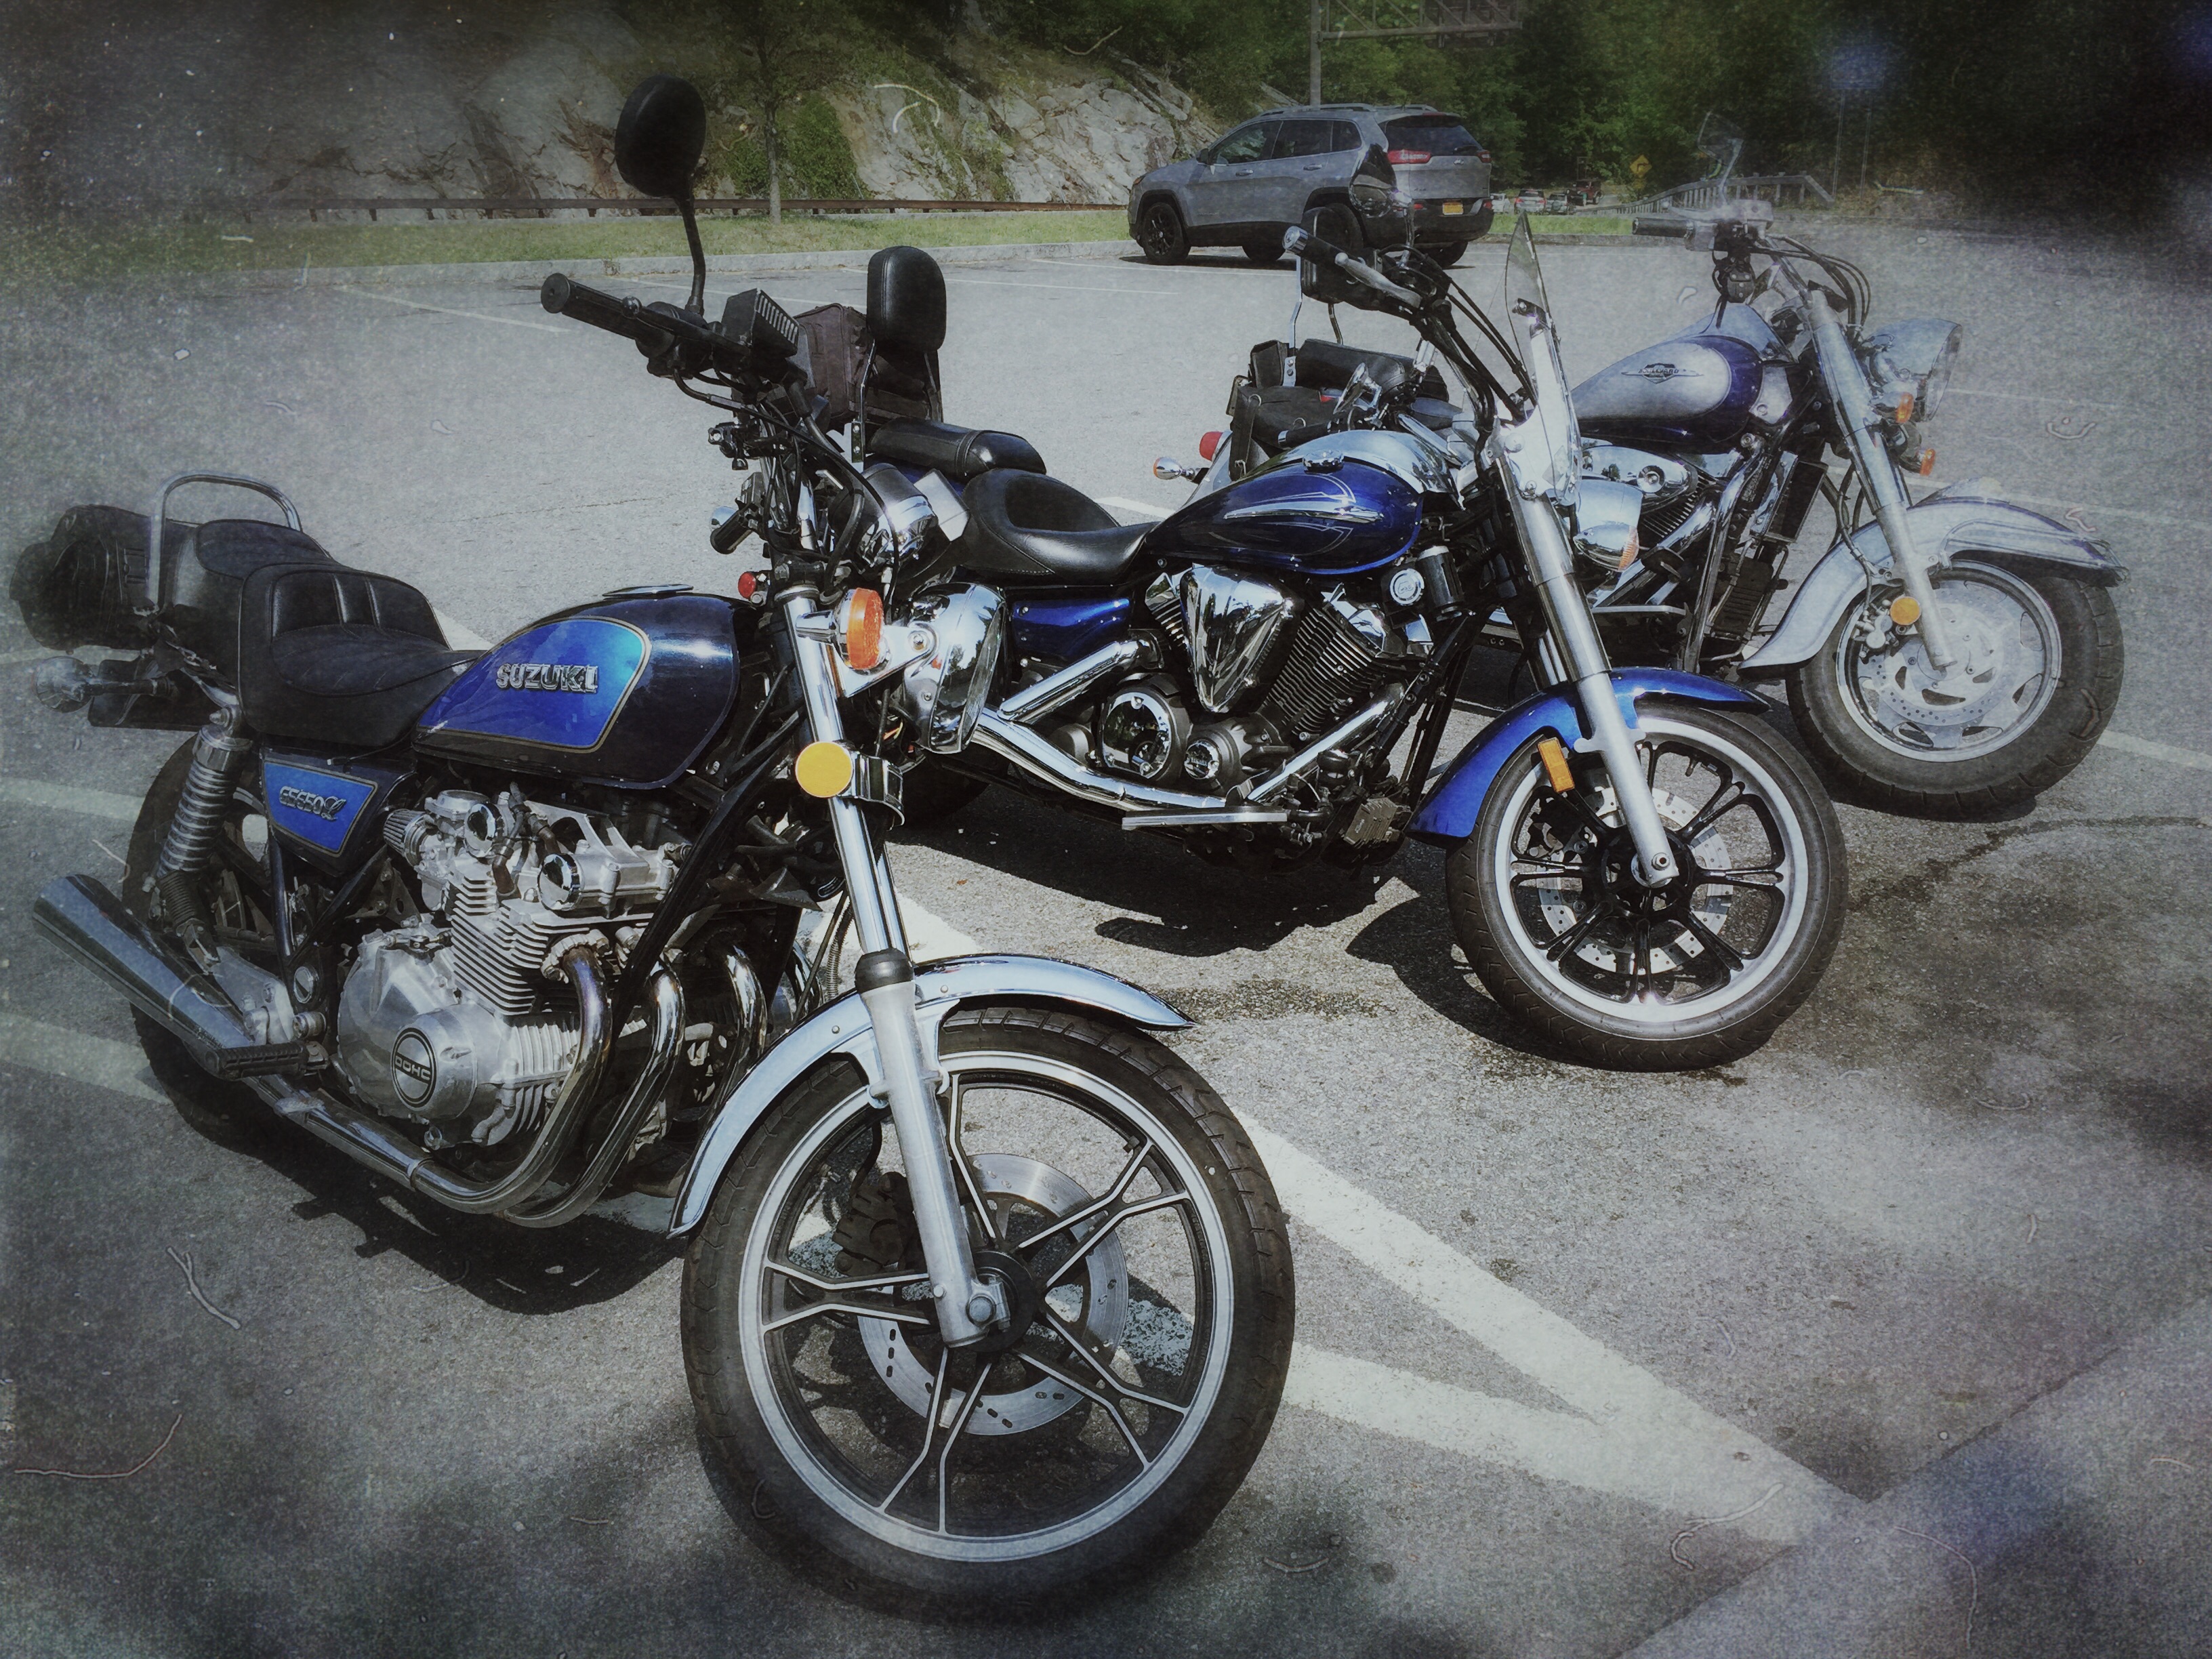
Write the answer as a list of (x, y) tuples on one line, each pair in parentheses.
[(824, 769), (1904, 611), (1555, 765), (860, 615)]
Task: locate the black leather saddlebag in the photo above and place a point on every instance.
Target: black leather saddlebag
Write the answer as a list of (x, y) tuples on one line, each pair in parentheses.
[(83, 584)]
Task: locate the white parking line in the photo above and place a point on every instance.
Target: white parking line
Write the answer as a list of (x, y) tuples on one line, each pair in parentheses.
[(2029, 398), (447, 311), (118, 1068), (1064, 288), (457, 636), (1131, 509), (2165, 753), (2064, 505), (1630, 1434), (67, 797)]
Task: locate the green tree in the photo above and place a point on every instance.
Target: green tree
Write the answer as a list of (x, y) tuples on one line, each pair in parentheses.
[(786, 51)]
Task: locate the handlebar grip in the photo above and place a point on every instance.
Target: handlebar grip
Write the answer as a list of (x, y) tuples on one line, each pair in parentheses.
[(1659, 227), (599, 308)]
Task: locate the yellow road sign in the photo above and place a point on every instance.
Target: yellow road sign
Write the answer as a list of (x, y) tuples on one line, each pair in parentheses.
[(1640, 166)]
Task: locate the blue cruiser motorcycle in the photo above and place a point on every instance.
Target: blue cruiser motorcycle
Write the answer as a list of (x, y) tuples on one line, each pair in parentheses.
[(1635, 865), (988, 1295)]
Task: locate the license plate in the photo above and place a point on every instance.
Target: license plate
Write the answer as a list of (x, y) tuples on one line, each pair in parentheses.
[(1455, 207)]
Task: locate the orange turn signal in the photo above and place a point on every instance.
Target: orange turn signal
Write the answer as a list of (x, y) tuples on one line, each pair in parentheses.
[(1927, 467), (861, 627), (1903, 406), (1628, 553)]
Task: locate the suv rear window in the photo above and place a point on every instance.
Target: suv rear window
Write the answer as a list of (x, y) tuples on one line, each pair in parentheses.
[(1439, 135)]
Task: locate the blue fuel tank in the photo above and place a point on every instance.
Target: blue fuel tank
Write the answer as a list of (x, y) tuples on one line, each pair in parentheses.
[(625, 692), (1335, 520)]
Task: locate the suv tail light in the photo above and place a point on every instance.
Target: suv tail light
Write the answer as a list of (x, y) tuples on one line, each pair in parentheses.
[(1482, 155), (1400, 158)]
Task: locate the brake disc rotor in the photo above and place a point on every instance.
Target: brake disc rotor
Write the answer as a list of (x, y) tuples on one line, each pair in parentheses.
[(1029, 1197), (1608, 949)]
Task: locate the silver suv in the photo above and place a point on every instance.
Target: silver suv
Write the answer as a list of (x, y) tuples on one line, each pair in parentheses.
[(1252, 184)]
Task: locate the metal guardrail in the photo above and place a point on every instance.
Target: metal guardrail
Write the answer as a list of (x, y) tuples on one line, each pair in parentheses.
[(431, 207), (1763, 187)]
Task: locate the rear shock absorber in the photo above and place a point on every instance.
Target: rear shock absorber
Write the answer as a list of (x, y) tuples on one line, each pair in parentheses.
[(219, 756)]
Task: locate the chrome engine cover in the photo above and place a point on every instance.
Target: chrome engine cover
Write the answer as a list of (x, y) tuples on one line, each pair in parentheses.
[(452, 1020), (1142, 729), (1229, 623)]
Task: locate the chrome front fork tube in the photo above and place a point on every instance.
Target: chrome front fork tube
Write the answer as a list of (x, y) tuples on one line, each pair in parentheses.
[(966, 1306), (1568, 615), (1847, 385)]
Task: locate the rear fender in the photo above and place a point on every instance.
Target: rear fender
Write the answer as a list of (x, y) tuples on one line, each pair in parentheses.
[(1960, 521), (1448, 816), (841, 1030)]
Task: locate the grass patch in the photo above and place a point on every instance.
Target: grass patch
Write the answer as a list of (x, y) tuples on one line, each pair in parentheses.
[(77, 254)]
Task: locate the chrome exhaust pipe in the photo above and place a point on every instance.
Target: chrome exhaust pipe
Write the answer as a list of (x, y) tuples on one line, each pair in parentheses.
[(89, 922), (1038, 755), (1033, 703)]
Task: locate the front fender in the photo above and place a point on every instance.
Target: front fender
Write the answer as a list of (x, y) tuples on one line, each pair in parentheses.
[(1963, 518), (842, 1028), (1448, 816)]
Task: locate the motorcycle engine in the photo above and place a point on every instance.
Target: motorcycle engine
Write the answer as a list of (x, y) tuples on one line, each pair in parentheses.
[(1275, 668), (454, 1019)]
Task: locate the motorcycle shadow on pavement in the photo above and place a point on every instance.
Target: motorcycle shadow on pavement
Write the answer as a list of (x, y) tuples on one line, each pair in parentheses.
[(515, 1269)]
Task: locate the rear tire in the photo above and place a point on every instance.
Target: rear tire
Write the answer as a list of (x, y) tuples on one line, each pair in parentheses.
[(230, 1113), (1262, 253), (1161, 235), (809, 1418), (1449, 254), (1544, 905), (2083, 626)]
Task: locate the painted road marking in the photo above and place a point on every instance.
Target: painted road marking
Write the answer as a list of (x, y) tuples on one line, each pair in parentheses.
[(930, 938), (118, 1068), (2165, 754), (65, 797), (1064, 288), (461, 638), (1629, 1433), (447, 311), (2066, 505)]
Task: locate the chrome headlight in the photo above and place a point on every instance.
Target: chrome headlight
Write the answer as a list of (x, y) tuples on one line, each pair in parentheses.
[(1910, 365), (907, 518), (947, 689)]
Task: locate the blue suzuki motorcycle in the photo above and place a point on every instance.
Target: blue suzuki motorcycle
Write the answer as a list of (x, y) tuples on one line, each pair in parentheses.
[(1635, 865), (988, 1295)]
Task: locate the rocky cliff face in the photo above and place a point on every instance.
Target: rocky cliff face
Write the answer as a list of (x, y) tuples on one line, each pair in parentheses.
[(143, 109)]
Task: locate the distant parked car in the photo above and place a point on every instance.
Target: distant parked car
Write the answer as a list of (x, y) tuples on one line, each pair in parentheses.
[(1529, 201), (1257, 180), (1558, 202)]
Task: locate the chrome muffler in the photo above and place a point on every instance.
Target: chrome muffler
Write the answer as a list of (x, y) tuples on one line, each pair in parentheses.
[(89, 922)]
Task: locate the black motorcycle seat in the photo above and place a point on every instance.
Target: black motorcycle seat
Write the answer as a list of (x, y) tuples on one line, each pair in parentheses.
[(1022, 526), (960, 452), (331, 655), (1325, 366)]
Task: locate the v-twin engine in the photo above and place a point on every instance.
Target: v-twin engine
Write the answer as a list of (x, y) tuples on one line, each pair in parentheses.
[(459, 1017)]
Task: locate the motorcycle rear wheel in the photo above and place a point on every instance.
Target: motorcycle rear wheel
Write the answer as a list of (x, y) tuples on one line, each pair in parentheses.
[(2042, 672), (1694, 974), (863, 1453)]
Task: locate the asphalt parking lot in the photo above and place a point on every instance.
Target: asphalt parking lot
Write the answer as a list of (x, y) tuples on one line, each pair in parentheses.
[(1892, 1337)]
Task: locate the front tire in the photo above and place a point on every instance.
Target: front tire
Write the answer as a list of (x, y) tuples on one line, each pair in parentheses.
[(2042, 663), (863, 1454), (1162, 235), (1262, 251), (1696, 973)]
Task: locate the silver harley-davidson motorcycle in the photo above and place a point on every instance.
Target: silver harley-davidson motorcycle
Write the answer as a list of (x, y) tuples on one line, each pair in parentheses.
[(988, 1295)]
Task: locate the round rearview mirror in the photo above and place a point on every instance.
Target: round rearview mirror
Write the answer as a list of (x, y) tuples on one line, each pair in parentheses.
[(661, 136)]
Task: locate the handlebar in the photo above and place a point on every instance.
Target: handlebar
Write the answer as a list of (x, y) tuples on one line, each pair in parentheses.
[(1660, 227), (1305, 245), (601, 310)]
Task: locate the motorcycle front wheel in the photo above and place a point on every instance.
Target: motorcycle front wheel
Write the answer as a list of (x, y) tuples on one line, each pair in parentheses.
[(1546, 904), (2039, 668), (1145, 1255)]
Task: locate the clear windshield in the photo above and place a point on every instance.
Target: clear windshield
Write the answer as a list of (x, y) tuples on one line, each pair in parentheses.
[(1543, 449)]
